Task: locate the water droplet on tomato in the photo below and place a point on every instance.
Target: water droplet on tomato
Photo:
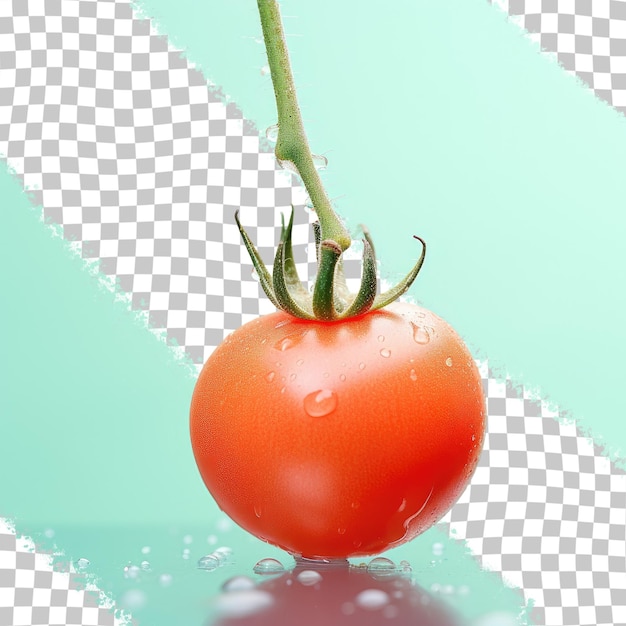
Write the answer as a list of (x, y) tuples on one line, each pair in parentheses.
[(257, 510), (385, 352), (421, 314), (309, 577), (300, 362), (372, 599), (293, 376), (238, 583), (283, 389), (361, 366), (268, 567), (381, 566), (342, 377), (288, 342), (413, 375), (320, 161), (420, 334), (381, 338), (208, 563), (269, 377), (265, 70), (272, 133), (449, 362), (341, 531), (320, 403), (473, 437)]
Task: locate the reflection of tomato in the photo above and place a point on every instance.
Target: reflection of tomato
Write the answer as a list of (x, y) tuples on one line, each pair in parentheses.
[(336, 439)]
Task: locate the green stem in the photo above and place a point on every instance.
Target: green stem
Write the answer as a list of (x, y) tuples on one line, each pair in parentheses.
[(292, 144)]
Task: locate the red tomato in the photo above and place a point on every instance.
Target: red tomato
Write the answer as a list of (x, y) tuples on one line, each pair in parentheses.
[(338, 439)]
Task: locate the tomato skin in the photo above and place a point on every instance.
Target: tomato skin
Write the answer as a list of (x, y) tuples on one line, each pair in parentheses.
[(339, 439)]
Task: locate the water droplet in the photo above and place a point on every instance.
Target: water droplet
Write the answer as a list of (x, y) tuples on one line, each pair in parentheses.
[(49, 533), (145, 550), (381, 338), (473, 437), (269, 377), (320, 403), (238, 583), (287, 165), (187, 539), (385, 352), (449, 362), (243, 602), (208, 563), (405, 566), (421, 314), (257, 510), (82, 564), (265, 70), (320, 161), (293, 376), (420, 334), (272, 133), (133, 599), (288, 342), (223, 554), (463, 590), (283, 389), (309, 577), (361, 366), (211, 540), (131, 571), (448, 590), (381, 567), (255, 274), (300, 362), (413, 375), (437, 548), (342, 377), (372, 599), (145, 566), (268, 567), (341, 531), (186, 553), (165, 580)]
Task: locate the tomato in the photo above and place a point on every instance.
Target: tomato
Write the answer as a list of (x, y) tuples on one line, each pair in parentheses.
[(338, 439)]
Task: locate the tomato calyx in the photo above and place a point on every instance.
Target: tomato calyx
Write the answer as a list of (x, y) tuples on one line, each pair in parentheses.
[(331, 300)]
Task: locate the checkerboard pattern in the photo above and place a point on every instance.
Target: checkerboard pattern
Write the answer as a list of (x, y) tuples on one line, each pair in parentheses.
[(588, 38), (140, 166), (33, 592)]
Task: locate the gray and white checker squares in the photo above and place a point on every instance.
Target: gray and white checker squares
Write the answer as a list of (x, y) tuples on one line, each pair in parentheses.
[(141, 166)]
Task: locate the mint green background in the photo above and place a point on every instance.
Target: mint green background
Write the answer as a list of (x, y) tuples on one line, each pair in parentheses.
[(443, 120), (440, 114)]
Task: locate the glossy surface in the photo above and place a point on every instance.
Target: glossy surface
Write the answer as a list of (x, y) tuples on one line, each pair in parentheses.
[(338, 439)]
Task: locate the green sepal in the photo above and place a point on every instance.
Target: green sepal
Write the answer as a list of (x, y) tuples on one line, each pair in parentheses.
[(366, 295), (292, 280), (264, 276), (285, 300), (324, 290), (395, 292)]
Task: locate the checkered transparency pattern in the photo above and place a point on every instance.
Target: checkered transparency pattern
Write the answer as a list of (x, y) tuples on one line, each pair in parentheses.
[(141, 165), (588, 38)]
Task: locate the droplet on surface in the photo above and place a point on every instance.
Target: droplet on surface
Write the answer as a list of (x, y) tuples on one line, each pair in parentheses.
[(243, 602), (133, 599), (320, 403), (381, 566), (372, 599), (361, 366), (223, 553), (341, 531), (272, 133), (381, 338), (293, 376), (208, 563), (186, 553), (320, 161), (146, 550), (385, 353), (300, 362), (473, 437), (49, 533), (309, 577), (131, 571), (269, 377), (449, 362), (165, 580), (82, 564), (187, 539), (268, 566), (420, 334), (145, 566), (257, 510), (342, 377), (238, 583), (413, 375)]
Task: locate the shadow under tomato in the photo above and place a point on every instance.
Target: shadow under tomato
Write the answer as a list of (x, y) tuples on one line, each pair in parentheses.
[(334, 594)]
